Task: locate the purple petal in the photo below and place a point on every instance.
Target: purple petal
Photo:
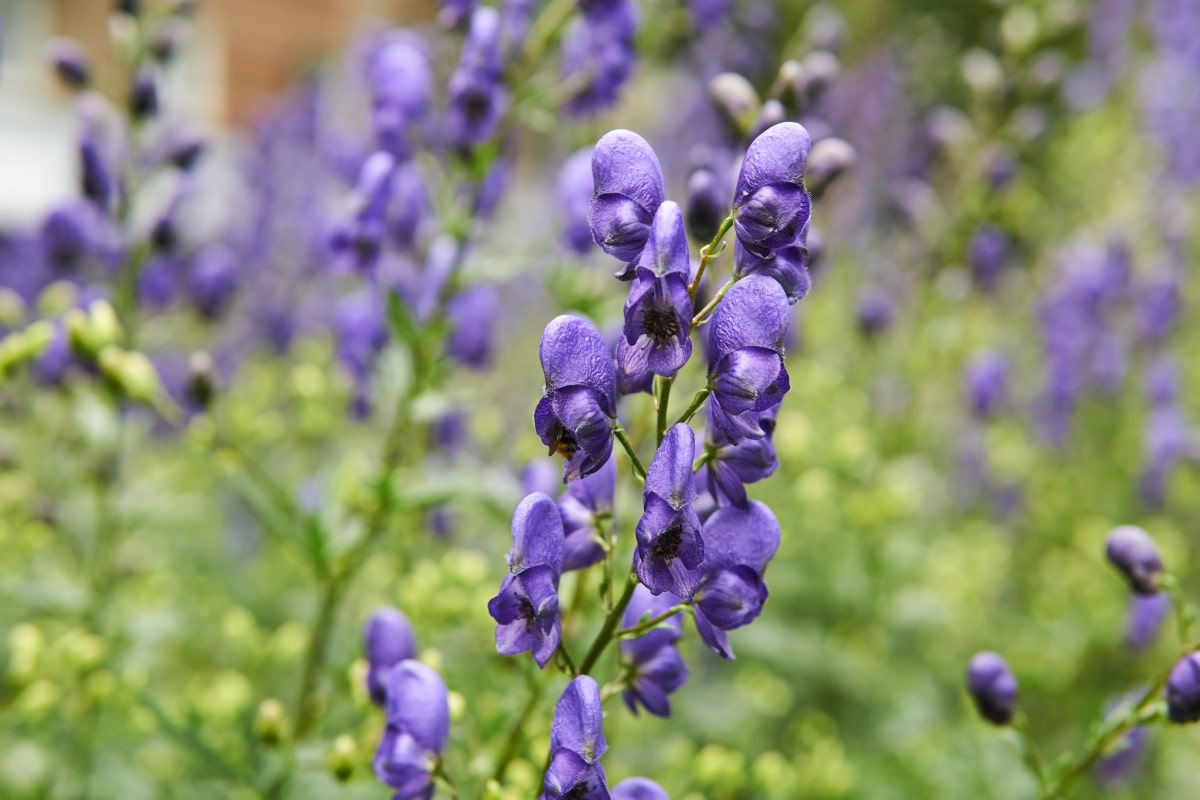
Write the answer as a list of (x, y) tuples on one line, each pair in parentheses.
[(731, 597), (573, 353), (736, 536), (773, 217), (387, 640), (638, 789), (403, 764), (787, 265), (753, 313), (620, 225), (578, 719), (750, 379), (778, 155), (632, 365), (537, 532), (417, 705), (713, 637), (666, 250), (670, 474), (624, 163), (570, 777)]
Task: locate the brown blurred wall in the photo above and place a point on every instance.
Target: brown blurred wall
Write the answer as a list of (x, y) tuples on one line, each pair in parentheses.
[(263, 44)]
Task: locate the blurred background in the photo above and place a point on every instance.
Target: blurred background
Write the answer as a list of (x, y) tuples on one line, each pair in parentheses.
[(995, 366)]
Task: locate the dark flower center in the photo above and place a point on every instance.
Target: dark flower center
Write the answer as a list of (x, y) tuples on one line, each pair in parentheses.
[(578, 792), (527, 613), (477, 104), (660, 323), (666, 546)]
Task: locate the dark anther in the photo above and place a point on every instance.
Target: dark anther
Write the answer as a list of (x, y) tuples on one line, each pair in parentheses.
[(666, 546)]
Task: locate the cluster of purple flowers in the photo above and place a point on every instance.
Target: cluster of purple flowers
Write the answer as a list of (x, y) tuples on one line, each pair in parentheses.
[(701, 545)]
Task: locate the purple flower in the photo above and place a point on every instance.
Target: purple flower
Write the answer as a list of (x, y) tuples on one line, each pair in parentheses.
[(96, 181), (576, 745), (1167, 440), (670, 548), (770, 205), (987, 383), (143, 95), (357, 240), (992, 687), (1183, 690), (472, 313), (986, 255), (1158, 306), (400, 83), (733, 465), (410, 206), (417, 732), (67, 235), (658, 311), (575, 416), (598, 46), (638, 788), (707, 13), (541, 475), (746, 374), (575, 200), (70, 61), (656, 668), (585, 507), (456, 12), (707, 204), (1131, 550), (477, 95), (51, 366), (739, 543), (628, 183), (633, 371), (526, 609), (214, 279), (875, 312), (1147, 613), (387, 640), (1117, 767), (156, 284), (515, 19)]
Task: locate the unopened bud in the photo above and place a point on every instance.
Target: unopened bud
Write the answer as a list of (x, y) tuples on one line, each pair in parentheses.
[(270, 722), (993, 688), (143, 95), (104, 328), (826, 163), (707, 204), (1183, 690), (202, 379), (1131, 550), (70, 61), (821, 70), (735, 97), (342, 757)]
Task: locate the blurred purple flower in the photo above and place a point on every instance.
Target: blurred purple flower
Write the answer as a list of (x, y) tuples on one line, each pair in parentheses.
[(214, 279), (477, 95), (993, 688), (387, 640), (655, 665), (417, 732), (575, 200), (986, 379), (472, 314), (586, 506), (598, 54)]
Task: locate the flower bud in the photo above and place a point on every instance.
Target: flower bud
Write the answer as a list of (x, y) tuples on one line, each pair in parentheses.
[(736, 98), (270, 721), (70, 62), (202, 379), (828, 159), (143, 95), (821, 69), (993, 688), (1131, 550), (1183, 690), (707, 204), (342, 758)]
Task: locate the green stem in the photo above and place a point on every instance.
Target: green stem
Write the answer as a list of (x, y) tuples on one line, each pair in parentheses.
[(1185, 614), (710, 453), (697, 402), (610, 625), (512, 744), (1029, 753), (662, 401), (553, 17), (708, 253), (314, 660), (699, 319), (651, 624), (623, 438)]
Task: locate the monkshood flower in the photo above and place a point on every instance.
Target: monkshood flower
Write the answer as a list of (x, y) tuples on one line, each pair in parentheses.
[(576, 745), (1131, 550), (472, 313), (585, 506), (707, 13), (707, 204), (658, 311), (1158, 306), (739, 543), (746, 374), (96, 180), (575, 200), (214, 279), (360, 332), (541, 475), (1183, 690), (387, 640), (516, 17), (400, 83), (1167, 441), (633, 371), (143, 95), (770, 205), (456, 12), (628, 189), (1147, 613), (411, 207), (638, 789), (598, 48), (575, 416), (70, 62), (1118, 767), (986, 254), (670, 548), (67, 236), (417, 732), (655, 666), (875, 312), (526, 609), (477, 95), (986, 380), (993, 688), (1162, 382), (357, 240), (735, 464)]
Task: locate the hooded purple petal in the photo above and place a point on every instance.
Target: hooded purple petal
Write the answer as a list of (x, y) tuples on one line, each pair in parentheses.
[(578, 719), (753, 313), (417, 705), (638, 788), (628, 183), (579, 506), (573, 353), (387, 640), (731, 597), (736, 536), (537, 532), (670, 474)]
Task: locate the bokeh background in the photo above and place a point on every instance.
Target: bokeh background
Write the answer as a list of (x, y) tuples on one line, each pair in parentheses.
[(1023, 194)]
